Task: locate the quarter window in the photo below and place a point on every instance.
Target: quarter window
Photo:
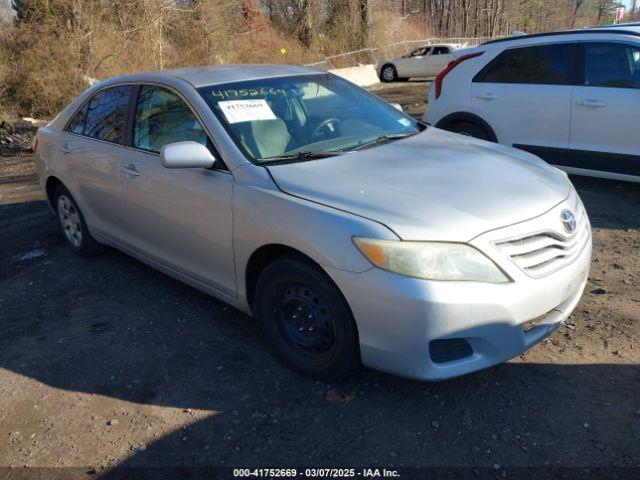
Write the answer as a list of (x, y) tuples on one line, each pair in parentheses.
[(163, 118), (544, 65), (611, 65), (76, 125), (106, 114)]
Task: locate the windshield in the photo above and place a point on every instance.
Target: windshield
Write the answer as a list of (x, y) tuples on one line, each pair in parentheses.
[(302, 117)]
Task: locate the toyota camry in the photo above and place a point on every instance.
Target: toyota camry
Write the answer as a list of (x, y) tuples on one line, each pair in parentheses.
[(354, 233)]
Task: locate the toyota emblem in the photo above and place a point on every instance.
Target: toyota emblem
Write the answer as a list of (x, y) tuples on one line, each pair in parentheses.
[(568, 220)]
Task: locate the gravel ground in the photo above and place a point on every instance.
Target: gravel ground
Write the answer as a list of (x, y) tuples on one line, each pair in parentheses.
[(105, 362)]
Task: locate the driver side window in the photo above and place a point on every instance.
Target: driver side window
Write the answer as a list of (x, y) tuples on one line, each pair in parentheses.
[(163, 118), (420, 52)]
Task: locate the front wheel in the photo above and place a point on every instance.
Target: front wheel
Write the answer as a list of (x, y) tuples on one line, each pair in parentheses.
[(306, 320), (389, 74)]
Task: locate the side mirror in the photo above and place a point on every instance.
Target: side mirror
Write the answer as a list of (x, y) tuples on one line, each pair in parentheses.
[(397, 106), (186, 155)]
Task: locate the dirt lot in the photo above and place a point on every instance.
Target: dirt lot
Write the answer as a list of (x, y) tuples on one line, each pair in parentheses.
[(105, 362)]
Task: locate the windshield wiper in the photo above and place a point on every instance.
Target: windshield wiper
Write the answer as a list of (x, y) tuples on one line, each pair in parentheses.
[(302, 155), (311, 155), (384, 139)]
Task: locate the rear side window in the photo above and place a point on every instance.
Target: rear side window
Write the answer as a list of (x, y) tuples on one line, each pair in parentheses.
[(542, 65), (106, 114), (613, 65), (440, 50), (163, 118)]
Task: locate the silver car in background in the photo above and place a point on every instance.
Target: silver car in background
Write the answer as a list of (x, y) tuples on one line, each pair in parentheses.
[(353, 232), (425, 61)]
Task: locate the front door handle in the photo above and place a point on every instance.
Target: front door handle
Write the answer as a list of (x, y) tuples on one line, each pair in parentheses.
[(590, 103), (129, 170), (487, 96)]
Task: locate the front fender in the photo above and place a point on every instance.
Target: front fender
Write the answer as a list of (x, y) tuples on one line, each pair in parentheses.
[(265, 215)]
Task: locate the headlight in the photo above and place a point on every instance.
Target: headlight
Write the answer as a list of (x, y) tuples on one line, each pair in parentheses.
[(431, 260)]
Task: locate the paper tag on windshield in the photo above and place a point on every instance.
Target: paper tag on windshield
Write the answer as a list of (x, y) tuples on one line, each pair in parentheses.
[(238, 111), (404, 122)]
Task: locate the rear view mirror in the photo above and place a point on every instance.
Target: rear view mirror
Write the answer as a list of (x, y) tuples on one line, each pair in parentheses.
[(186, 155), (397, 106)]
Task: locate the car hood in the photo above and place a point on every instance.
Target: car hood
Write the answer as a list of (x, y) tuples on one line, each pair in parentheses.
[(432, 186)]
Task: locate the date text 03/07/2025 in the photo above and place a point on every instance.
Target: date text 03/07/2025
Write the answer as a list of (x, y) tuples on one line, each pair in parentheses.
[(315, 473)]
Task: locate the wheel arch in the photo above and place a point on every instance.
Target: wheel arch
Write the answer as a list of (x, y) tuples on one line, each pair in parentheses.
[(449, 120), (263, 256), (266, 254), (50, 186), (389, 64)]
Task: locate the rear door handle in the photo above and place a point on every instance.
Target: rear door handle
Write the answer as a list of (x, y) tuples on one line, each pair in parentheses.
[(64, 148), (487, 96), (591, 103), (129, 170)]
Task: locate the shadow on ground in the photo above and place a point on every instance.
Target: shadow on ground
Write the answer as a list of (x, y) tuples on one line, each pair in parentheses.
[(113, 327), (610, 204)]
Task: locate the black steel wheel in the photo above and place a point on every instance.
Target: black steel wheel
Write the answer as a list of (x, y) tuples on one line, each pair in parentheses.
[(306, 319)]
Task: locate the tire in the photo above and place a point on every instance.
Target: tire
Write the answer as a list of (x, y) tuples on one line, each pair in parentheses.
[(306, 320), (388, 74), (469, 129), (73, 226)]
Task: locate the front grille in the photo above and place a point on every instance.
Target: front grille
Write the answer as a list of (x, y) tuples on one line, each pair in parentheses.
[(449, 349), (543, 253)]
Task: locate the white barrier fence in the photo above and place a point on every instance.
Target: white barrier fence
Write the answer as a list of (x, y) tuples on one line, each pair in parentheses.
[(373, 56)]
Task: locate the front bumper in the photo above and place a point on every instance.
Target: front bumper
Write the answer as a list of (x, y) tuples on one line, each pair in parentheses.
[(399, 317)]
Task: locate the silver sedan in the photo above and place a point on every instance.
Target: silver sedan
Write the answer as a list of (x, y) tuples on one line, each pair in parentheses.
[(354, 233), (426, 61)]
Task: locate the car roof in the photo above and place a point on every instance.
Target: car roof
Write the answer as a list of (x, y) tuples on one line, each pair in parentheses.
[(453, 45), (219, 74), (622, 25), (622, 29)]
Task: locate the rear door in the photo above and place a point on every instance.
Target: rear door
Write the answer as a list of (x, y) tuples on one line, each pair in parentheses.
[(93, 143), (605, 121), (525, 94)]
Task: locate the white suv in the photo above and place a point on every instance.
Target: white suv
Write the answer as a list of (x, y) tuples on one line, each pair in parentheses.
[(570, 97)]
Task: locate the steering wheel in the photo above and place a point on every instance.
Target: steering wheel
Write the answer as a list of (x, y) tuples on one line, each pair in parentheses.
[(334, 122)]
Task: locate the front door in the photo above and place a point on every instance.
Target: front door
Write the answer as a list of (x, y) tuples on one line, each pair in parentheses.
[(181, 218), (413, 65), (525, 96)]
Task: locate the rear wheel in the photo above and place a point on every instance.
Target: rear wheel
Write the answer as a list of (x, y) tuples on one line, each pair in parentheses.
[(389, 74), (469, 129), (73, 225), (306, 319)]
